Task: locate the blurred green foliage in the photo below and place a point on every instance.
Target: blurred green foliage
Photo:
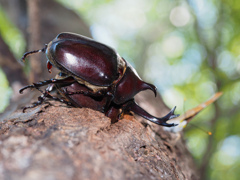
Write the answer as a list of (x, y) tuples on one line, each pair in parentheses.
[(12, 36), (188, 49), (5, 91)]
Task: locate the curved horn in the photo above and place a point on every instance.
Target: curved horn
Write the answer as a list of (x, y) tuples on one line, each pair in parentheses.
[(132, 106)]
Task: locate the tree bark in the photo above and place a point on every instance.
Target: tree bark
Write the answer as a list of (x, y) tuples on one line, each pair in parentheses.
[(53, 141)]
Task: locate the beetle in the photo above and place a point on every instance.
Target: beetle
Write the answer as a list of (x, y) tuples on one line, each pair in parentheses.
[(93, 75)]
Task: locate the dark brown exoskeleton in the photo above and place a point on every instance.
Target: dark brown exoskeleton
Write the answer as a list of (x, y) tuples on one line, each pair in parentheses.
[(93, 75)]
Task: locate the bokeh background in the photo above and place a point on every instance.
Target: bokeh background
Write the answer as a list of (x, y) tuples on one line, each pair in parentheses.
[(189, 49)]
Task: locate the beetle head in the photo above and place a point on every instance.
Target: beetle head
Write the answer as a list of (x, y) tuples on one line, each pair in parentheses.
[(130, 85)]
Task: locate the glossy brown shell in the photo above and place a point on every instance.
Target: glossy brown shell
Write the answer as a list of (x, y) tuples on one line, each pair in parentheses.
[(84, 58)]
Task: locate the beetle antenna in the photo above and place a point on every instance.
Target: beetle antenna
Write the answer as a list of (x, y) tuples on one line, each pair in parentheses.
[(33, 52)]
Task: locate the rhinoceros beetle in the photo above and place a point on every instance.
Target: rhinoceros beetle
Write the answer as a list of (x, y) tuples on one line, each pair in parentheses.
[(93, 75)]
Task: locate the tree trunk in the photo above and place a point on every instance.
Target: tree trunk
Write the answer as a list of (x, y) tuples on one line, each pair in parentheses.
[(53, 141)]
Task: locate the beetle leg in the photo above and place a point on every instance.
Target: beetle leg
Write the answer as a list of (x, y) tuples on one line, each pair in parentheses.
[(42, 98), (40, 101), (109, 100), (46, 82), (125, 108), (45, 95), (48, 95), (32, 52), (132, 106)]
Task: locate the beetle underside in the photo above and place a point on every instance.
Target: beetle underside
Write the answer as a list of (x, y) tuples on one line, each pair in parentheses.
[(84, 97)]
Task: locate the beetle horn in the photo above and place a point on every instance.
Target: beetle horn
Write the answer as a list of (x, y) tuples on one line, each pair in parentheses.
[(33, 52), (145, 86), (132, 106)]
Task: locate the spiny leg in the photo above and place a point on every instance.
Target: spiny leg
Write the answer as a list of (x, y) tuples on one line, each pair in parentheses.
[(33, 52), (46, 82), (45, 95), (48, 95), (40, 101)]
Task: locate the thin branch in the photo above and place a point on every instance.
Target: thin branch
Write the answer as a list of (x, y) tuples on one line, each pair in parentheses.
[(34, 38)]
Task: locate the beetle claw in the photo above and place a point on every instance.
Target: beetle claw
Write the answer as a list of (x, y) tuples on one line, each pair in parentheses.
[(174, 116), (171, 114), (168, 125)]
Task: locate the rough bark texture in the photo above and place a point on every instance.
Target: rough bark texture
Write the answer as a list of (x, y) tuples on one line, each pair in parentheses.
[(59, 142)]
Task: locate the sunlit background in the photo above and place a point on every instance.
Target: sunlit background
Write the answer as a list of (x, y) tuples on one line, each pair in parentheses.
[(188, 49)]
